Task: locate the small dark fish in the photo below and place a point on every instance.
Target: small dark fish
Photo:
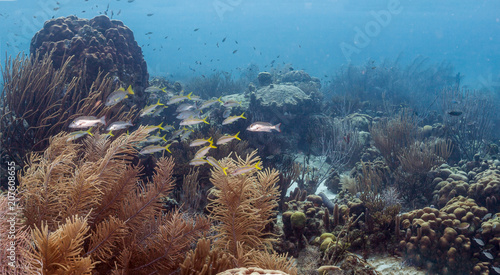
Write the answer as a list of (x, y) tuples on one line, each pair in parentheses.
[(278, 56), (254, 48), (56, 8), (487, 255), (235, 41), (454, 113), (224, 40), (478, 241), (119, 12), (217, 44), (195, 30), (166, 37), (148, 33), (235, 51), (373, 68), (464, 226), (487, 217), (300, 46), (150, 14)]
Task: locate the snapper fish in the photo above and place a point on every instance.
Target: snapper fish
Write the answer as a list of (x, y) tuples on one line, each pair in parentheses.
[(188, 114), (246, 169), (197, 162), (78, 134), (203, 151), (210, 102), (231, 103), (155, 148), (232, 119), (200, 141), (152, 128), (153, 139), (178, 98), (226, 113), (263, 127), (154, 89), (118, 96), (186, 135), (227, 138), (193, 121), (212, 161), (87, 121), (185, 107), (119, 125), (148, 110)]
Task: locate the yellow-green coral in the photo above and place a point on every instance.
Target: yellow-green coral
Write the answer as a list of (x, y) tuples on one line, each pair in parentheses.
[(298, 220)]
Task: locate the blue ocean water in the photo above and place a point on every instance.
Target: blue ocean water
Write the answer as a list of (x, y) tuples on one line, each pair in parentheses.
[(317, 36)]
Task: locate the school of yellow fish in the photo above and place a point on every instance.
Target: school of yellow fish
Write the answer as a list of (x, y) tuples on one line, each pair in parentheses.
[(189, 114)]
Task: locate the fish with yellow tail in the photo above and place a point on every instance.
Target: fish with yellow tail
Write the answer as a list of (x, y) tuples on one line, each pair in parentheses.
[(215, 163), (232, 119), (227, 138), (154, 148), (203, 151), (87, 121), (264, 127), (108, 134), (154, 89), (193, 121), (209, 103), (153, 139), (148, 110), (201, 141), (78, 134), (245, 169), (178, 98), (152, 128), (119, 125), (198, 162), (118, 96)]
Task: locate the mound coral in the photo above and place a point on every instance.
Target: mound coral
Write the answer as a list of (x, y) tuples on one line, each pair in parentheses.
[(99, 44), (441, 239)]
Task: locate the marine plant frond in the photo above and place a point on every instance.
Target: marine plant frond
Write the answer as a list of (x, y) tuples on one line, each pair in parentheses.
[(95, 147), (44, 181), (121, 150), (105, 238), (60, 252), (205, 260), (273, 261), (114, 193), (142, 203), (164, 250), (242, 207)]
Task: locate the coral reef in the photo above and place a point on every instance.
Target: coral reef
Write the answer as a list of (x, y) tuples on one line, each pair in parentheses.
[(40, 101), (441, 240), (95, 45)]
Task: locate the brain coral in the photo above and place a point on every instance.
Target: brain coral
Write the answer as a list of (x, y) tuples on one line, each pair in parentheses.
[(100, 43)]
